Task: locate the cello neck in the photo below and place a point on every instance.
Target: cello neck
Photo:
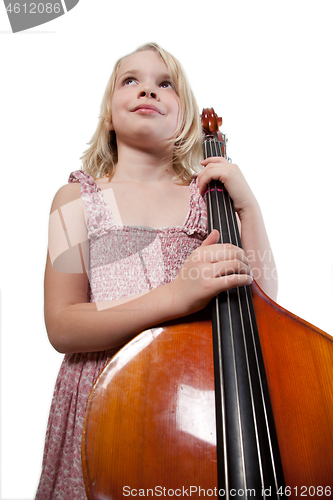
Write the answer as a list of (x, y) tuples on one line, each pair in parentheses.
[(248, 457), (220, 208)]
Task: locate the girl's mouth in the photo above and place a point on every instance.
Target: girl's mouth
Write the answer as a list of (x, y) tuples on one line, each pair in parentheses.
[(147, 109)]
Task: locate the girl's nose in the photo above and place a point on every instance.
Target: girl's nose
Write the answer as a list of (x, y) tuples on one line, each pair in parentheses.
[(147, 93)]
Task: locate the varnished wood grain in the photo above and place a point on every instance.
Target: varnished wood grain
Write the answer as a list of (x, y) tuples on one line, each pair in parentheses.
[(151, 414)]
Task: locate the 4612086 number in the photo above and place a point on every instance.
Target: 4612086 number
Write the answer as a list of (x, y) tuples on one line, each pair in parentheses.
[(34, 8)]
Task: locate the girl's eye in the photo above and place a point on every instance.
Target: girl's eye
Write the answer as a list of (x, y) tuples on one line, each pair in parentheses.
[(129, 81), (166, 85)]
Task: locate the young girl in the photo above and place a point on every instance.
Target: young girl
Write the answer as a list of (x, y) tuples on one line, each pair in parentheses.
[(128, 244)]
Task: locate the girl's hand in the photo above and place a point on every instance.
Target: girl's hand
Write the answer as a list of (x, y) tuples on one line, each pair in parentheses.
[(229, 174), (209, 270)]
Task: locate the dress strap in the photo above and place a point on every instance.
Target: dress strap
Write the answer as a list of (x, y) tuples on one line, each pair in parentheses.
[(196, 220), (99, 216)]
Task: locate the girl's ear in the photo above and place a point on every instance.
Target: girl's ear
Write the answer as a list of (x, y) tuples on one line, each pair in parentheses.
[(111, 126)]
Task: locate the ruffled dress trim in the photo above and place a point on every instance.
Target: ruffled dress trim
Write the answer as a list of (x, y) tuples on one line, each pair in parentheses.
[(99, 215)]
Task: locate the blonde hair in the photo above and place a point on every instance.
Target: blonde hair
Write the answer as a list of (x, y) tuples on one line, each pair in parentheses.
[(102, 156)]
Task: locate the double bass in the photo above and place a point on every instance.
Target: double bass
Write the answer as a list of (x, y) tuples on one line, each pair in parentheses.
[(235, 401)]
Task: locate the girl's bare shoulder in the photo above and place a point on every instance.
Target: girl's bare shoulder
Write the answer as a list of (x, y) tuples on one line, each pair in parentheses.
[(66, 194)]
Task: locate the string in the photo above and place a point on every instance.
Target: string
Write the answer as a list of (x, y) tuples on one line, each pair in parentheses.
[(240, 304), (218, 144), (247, 292), (218, 333), (214, 153), (238, 243)]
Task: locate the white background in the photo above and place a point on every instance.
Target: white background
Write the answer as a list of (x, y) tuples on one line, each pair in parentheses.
[(265, 66)]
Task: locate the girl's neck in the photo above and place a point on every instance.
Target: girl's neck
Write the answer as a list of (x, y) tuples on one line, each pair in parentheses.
[(143, 166)]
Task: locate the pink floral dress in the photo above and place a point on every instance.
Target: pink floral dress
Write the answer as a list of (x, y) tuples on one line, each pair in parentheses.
[(124, 260)]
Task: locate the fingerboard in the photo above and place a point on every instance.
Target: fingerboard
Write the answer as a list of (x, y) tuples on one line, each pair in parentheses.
[(248, 458)]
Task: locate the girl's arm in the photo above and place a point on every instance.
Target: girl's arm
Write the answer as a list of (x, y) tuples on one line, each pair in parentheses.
[(74, 325), (254, 237)]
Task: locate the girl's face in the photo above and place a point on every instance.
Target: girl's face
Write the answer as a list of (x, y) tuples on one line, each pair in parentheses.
[(145, 106)]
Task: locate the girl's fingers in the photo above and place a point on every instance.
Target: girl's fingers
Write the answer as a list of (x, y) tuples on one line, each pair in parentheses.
[(232, 281), (218, 252), (231, 176), (211, 271), (216, 171), (211, 239), (231, 267), (214, 159), (226, 282)]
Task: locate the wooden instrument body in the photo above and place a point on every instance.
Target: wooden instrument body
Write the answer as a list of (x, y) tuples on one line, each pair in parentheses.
[(184, 410), (155, 401)]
